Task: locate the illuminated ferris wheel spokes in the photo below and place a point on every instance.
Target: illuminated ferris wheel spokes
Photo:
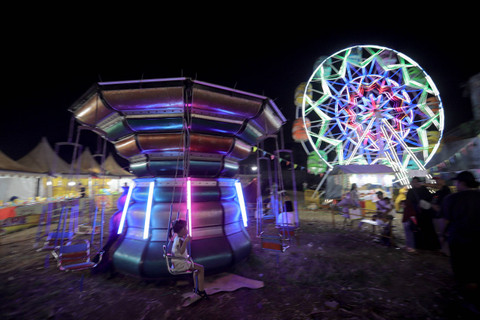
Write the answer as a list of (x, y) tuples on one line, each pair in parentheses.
[(370, 104)]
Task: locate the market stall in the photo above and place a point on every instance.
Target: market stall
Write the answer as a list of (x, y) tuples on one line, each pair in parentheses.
[(368, 178), (41, 177)]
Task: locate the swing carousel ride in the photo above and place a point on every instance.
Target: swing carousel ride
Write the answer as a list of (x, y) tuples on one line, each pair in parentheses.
[(183, 139), (369, 105)]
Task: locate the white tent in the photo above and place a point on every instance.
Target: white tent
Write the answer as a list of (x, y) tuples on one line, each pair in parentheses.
[(86, 164), (112, 168), (43, 159), (341, 178), (7, 164), (17, 180), (22, 178)]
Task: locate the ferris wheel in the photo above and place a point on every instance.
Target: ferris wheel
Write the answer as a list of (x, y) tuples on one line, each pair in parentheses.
[(371, 105)]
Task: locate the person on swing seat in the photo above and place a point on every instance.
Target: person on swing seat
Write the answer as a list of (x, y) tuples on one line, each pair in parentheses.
[(179, 249)]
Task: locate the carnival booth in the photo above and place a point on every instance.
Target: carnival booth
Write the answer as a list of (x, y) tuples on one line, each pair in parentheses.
[(46, 175), (42, 179), (16, 179), (368, 178), (17, 182)]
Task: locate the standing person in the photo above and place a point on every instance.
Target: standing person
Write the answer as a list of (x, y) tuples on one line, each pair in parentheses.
[(409, 222), (462, 215), (442, 191), (438, 222), (179, 249), (354, 195), (82, 190), (425, 237), (350, 202)]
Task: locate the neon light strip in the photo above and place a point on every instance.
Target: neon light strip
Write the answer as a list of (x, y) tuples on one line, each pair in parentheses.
[(241, 201), (189, 206), (405, 147), (360, 141), (125, 208), (148, 212), (394, 160)]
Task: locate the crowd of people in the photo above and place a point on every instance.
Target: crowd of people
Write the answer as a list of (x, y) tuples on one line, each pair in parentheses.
[(448, 222), (438, 218)]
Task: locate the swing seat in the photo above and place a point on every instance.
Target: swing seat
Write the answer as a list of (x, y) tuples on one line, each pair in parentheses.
[(170, 259), (287, 232), (268, 218), (57, 239), (84, 229), (76, 257), (275, 243)]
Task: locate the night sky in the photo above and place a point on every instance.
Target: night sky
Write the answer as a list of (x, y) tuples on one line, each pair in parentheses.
[(53, 62)]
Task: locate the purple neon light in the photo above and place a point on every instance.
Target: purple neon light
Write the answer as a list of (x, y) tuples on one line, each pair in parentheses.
[(140, 81), (189, 206)]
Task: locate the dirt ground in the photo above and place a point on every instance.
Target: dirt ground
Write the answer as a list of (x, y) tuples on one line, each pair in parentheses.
[(328, 272)]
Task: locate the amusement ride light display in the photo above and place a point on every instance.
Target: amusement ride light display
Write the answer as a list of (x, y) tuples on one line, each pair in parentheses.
[(372, 105), (183, 139)]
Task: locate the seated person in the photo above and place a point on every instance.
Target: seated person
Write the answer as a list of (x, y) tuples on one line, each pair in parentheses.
[(287, 216), (384, 207), (179, 249)]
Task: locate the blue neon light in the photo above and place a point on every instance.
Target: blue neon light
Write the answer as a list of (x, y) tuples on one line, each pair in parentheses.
[(148, 212), (125, 208), (241, 201)]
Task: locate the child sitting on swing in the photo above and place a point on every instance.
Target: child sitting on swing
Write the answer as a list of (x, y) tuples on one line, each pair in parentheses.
[(179, 249)]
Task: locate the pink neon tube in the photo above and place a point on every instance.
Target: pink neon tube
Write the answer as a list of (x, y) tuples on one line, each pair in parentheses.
[(189, 206)]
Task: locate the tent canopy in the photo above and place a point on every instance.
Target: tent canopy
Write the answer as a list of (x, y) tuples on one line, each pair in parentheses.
[(112, 168), (87, 163), (361, 169), (44, 159), (7, 163)]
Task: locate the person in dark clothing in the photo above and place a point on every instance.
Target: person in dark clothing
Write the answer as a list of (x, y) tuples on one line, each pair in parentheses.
[(462, 215), (439, 223), (425, 237), (409, 222), (82, 190), (106, 265), (442, 191)]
